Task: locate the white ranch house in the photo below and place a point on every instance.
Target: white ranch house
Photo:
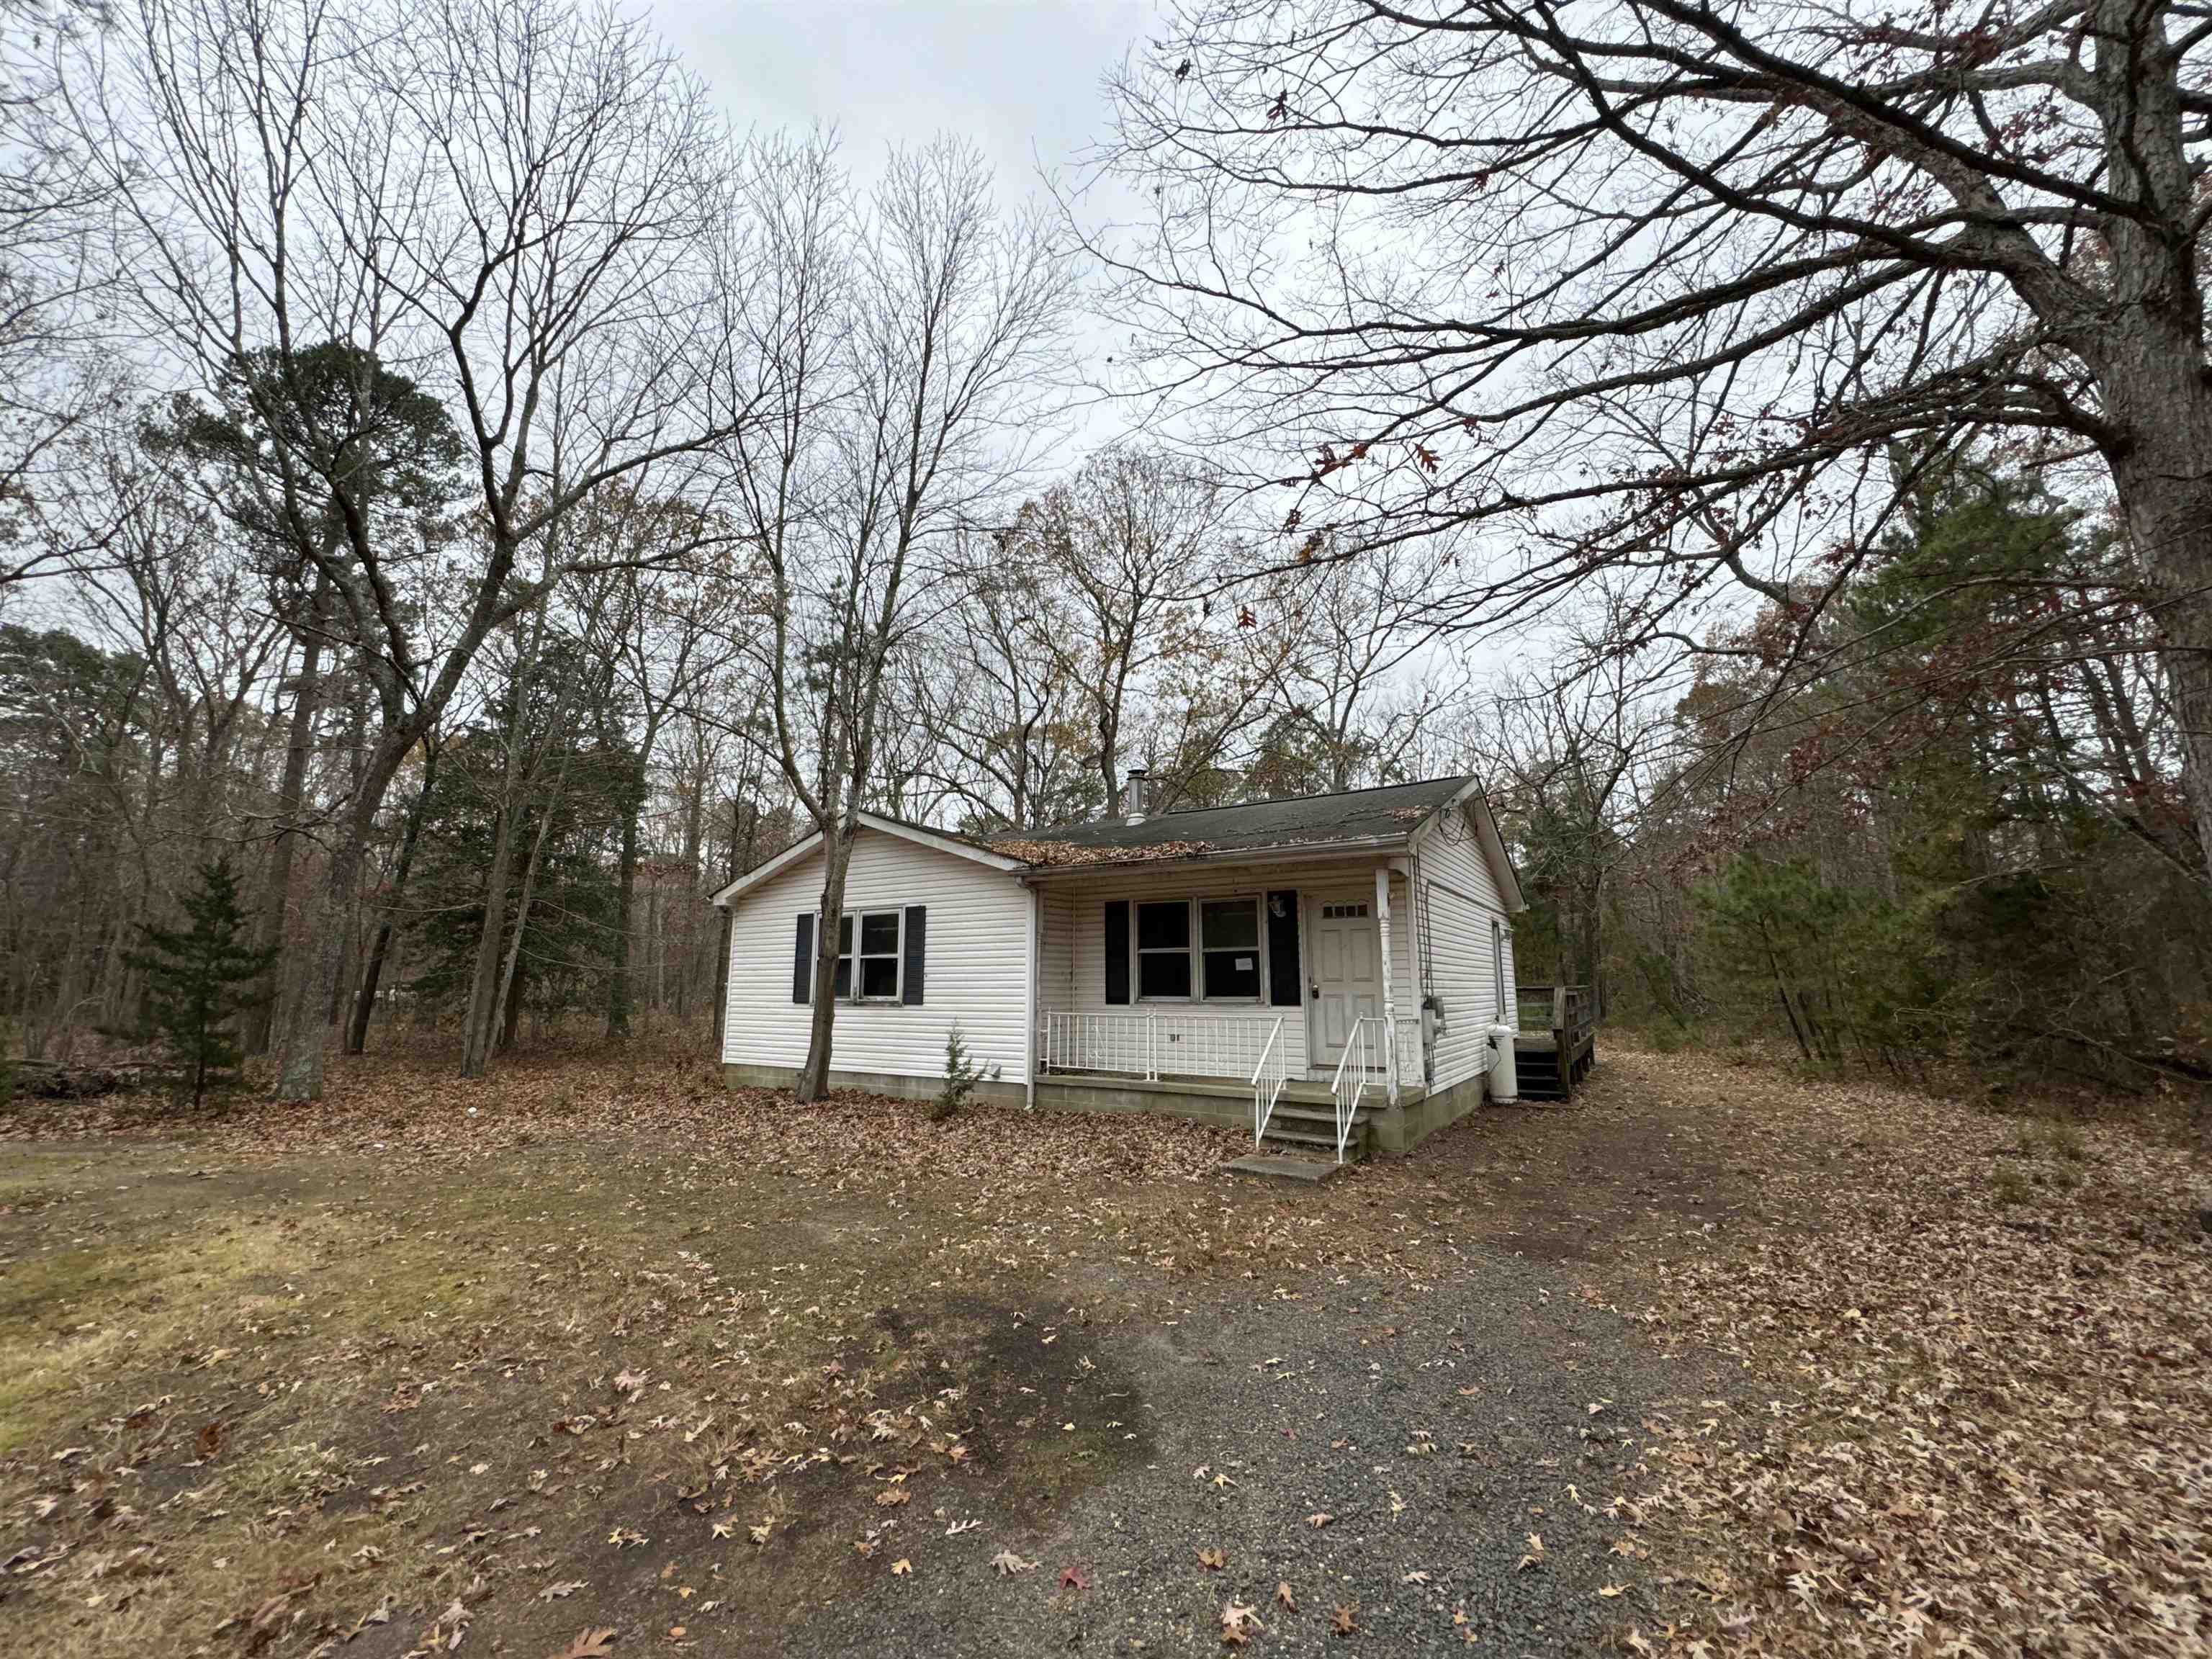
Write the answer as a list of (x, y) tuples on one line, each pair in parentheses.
[(1333, 972)]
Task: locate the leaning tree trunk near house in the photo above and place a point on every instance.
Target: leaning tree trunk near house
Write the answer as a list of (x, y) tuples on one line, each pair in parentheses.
[(836, 858)]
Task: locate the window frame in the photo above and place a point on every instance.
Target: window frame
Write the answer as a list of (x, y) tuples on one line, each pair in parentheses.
[(1258, 948), (1193, 949), (1138, 950), (850, 957)]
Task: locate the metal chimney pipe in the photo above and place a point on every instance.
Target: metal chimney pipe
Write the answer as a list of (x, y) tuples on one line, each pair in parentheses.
[(1136, 795)]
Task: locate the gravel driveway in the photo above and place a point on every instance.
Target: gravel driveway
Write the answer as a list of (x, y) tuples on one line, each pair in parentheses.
[(1436, 1428)]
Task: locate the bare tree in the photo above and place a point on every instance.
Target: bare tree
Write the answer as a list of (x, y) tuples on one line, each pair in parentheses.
[(1651, 286), (901, 341), (1138, 534), (513, 209), (58, 373), (1357, 673), (996, 703)]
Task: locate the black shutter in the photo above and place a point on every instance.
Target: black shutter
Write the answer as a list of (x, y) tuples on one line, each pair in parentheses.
[(1283, 988), (802, 960), (1117, 951), (917, 953)]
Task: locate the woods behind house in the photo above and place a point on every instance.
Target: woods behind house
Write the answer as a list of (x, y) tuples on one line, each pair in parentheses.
[(483, 530)]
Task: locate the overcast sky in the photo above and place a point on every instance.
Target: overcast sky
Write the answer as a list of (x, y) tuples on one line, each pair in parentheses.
[(1018, 77)]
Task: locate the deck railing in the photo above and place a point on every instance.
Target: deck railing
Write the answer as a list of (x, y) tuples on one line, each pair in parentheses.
[(1568, 1012), (1152, 1044)]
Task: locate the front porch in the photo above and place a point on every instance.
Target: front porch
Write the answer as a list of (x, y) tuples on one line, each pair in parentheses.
[(1283, 998)]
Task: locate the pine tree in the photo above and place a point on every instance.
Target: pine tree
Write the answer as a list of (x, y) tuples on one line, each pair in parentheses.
[(200, 976)]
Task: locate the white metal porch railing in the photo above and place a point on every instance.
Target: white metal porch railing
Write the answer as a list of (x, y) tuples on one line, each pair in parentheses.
[(1268, 1078), (1354, 1074), (1151, 1044), (1371, 1061)]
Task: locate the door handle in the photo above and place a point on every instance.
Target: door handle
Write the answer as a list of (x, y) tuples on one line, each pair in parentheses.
[(1315, 991)]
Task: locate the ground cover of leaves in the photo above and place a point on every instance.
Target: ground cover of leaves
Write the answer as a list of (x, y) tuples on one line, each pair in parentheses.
[(1714, 1360)]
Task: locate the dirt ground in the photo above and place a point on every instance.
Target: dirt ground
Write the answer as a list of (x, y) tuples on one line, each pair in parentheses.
[(1713, 1360)]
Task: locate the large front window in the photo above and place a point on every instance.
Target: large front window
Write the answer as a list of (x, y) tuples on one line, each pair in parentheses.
[(1229, 931), (1164, 951)]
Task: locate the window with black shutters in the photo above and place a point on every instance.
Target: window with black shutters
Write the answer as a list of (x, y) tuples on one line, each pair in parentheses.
[(1229, 940), (1164, 951)]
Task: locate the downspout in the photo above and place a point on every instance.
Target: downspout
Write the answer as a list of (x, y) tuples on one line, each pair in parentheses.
[(1390, 1007), (1029, 995)]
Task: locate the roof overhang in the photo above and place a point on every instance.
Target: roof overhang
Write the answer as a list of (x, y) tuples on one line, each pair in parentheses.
[(913, 832)]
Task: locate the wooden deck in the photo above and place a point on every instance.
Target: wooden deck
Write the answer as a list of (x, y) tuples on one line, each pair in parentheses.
[(1556, 1043)]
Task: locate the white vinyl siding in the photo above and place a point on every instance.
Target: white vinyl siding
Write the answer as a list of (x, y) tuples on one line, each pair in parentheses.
[(974, 961), (1460, 899)]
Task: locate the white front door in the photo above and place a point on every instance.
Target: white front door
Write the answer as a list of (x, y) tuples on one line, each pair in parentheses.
[(1346, 981)]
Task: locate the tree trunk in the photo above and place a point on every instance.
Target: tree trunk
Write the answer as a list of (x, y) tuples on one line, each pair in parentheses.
[(836, 858), (742, 840), (695, 834), (483, 983), (364, 1003), (505, 1009), (618, 977), (276, 893), (299, 1076)]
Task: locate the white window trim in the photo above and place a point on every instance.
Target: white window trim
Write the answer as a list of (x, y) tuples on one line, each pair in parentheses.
[(852, 997), (1259, 903), (1138, 953), (1195, 949)]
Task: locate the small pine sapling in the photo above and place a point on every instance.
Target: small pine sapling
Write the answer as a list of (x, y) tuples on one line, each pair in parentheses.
[(962, 1074), (200, 976)]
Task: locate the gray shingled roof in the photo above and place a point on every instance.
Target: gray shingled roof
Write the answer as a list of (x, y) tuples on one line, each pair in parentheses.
[(1305, 821)]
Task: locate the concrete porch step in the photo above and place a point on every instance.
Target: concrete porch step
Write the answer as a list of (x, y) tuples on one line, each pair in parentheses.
[(1320, 1141), (1275, 1167), (1325, 1112)]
